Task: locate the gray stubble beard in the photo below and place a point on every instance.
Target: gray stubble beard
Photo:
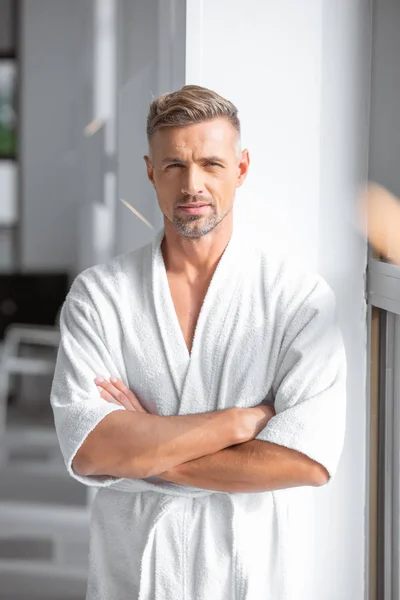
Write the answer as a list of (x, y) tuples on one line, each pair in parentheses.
[(189, 228)]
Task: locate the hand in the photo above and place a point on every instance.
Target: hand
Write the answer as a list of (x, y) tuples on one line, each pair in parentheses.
[(253, 420), (116, 392), (379, 219)]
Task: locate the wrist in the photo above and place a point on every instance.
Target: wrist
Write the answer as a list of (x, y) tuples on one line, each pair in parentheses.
[(239, 431)]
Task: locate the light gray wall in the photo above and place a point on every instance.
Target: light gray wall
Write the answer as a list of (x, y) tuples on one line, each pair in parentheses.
[(6, 25), (56, 105), (385, 96), (137, 52), (151, 61)]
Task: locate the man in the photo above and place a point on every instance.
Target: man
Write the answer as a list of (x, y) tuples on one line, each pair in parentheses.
[(200, 384)]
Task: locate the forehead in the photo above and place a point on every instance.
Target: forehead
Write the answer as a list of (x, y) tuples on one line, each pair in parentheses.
[(208, 137)]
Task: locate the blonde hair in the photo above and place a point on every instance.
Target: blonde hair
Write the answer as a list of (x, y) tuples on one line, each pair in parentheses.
[(187, 106)]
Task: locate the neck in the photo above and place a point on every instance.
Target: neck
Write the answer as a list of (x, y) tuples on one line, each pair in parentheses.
[(194, 257)]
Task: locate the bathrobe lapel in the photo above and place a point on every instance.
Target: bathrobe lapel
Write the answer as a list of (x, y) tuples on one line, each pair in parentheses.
[(193, 374)]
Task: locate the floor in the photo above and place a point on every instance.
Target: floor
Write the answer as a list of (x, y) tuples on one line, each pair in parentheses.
[(34, 475)]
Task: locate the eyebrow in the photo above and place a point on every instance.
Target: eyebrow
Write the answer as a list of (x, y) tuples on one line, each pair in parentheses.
[(174, 159), (171, 159)]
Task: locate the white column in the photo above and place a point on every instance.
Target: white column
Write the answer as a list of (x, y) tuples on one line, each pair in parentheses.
[(298, 73)]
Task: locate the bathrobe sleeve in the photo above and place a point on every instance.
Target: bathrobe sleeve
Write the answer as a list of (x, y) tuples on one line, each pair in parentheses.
[(310, 383), (75, 399)]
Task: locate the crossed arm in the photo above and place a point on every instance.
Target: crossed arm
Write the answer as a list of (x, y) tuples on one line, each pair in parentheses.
[(215, 451), (254, 466)]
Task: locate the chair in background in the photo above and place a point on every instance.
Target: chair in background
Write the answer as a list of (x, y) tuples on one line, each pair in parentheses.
[(44, 514), (12, 363)]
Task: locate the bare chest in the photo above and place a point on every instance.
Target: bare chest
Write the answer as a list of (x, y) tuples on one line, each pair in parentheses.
[(188, 300)]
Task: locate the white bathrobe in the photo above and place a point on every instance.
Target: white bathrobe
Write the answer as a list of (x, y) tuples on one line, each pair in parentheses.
[(266, 332)]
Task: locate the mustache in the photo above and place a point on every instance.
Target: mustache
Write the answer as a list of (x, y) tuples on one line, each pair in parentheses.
[(196, 199)]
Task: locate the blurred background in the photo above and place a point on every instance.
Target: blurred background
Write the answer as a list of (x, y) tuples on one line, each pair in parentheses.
[(317, 85)]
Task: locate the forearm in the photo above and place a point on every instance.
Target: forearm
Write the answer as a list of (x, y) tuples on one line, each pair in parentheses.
[(138, 445), (254, 466)]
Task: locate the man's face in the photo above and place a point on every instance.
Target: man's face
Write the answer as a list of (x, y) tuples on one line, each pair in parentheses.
[(195, 171)]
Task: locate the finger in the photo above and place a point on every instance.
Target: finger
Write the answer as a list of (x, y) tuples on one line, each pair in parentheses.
[(114, 392), (107, 397), (122, 387)]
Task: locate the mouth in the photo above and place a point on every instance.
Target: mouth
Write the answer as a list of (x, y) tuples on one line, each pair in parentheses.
[(194, 209)]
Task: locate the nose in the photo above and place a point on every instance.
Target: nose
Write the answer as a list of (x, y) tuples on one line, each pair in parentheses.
[(193, 184)]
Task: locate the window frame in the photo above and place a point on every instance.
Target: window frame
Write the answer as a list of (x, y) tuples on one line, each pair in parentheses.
[(383, 292)]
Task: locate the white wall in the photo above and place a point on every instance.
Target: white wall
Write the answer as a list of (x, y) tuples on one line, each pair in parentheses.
[(56, 105), (298, 72), (342, 257), (267, 60)]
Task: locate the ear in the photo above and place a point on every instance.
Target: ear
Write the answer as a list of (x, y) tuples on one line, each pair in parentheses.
[(149, 169), (243, 167)]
